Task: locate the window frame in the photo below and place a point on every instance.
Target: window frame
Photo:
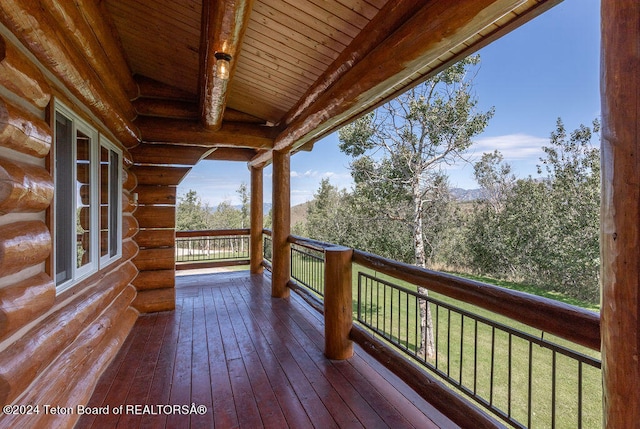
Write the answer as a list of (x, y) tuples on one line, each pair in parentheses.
[(109, 257), (96, 142)]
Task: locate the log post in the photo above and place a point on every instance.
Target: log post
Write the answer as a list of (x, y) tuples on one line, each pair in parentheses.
[(620, 212), (257, 221), (338, 310), (281, 198)]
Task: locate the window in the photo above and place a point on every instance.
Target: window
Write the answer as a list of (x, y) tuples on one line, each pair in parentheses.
[(87, 203)]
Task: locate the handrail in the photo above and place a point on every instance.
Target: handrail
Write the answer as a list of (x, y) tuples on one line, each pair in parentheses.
[(213, 233), (569, 322), (565, 321), (310, 243)]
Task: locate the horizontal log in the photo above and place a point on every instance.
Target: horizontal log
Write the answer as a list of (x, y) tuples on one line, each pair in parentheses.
[(156, 195), (24, 301), (129, 180), (130, 249), (23, 244), (72, 376), (231, 134), (24, 132), (32, 353), (166, 154), (222, 30), (174, 109), (309, 243), (157, 279), (154, 238), (46, 39), (79, 33), (155, 259), (24, 187), (100, 24), (150, 88), (151, 301), (232, 115), (156, 216), (155, 175), (128, 204), (20, 76), (565, 321), (387, 20), (232, 154), (432, 390), (129, 226)]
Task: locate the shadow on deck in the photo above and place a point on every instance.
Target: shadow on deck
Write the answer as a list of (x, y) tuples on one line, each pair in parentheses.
[(253, 361)]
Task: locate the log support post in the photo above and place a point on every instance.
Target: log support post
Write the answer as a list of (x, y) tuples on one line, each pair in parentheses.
[(338, 310), (281, 262), (620, 212), (256, 221)]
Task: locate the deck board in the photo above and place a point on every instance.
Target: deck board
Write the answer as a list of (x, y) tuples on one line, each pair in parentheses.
[(253, 361)]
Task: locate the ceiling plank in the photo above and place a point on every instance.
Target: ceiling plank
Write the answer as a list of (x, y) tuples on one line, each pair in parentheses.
[(223, 26), (433, 30), (230, 134)]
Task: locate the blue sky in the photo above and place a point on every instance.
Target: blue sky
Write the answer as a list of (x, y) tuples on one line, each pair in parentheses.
[(546, 69)]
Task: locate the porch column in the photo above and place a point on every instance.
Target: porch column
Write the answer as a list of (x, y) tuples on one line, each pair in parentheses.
[(281, 262), (620, 213), (256, 220)]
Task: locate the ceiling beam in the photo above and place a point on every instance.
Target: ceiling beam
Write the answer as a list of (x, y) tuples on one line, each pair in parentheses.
[(230, 134), (231, 154), (165, 154), (432, 31), (223, 26)]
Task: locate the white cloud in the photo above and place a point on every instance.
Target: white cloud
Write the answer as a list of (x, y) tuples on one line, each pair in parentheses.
[(512, 146)]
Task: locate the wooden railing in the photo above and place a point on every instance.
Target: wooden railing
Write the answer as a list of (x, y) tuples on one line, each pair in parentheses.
[(494, 345), (212, 248)]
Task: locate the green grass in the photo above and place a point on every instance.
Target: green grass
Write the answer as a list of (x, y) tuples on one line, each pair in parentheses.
[(468, 359)]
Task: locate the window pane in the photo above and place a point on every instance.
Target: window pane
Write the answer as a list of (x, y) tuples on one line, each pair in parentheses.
[(83, 187), (64, 199), (105, 218), (114, 193)]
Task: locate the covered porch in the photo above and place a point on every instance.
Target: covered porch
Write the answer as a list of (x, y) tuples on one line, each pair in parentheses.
[(252, 361)]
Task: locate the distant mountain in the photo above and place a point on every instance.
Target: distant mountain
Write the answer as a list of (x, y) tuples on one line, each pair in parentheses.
[(466, 194), (265, 207)]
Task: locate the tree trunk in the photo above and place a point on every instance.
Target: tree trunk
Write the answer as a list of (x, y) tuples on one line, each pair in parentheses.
[(427, 348)]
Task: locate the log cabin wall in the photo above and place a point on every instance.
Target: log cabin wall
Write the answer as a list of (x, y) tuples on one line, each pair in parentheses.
[(53, 345), (156, 216)]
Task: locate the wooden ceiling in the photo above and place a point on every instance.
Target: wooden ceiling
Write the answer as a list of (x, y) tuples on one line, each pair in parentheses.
[(299, 69)]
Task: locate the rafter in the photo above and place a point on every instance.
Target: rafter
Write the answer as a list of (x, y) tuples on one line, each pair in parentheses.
[(223, 26)]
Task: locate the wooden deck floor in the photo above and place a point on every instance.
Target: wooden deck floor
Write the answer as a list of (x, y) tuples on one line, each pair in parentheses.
[(252, 361)]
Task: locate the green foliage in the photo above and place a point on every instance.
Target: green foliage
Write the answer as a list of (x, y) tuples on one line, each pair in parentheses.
[(399, 151), (191, 213), (545, 232)]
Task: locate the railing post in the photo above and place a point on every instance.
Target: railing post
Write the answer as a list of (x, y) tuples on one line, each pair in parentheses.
[(620, 212), (338, 313)]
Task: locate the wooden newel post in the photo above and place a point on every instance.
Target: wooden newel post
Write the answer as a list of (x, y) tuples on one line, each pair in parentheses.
[(338, 312)]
